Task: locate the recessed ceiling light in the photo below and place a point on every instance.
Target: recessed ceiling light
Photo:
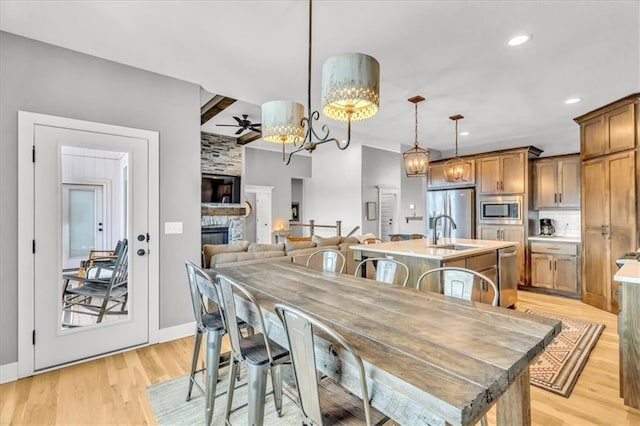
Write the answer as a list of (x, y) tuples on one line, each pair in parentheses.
[(464, 133), (519, 39), (572, 101)]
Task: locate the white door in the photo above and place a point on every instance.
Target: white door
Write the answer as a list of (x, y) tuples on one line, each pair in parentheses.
[(263, 218), (83, 222), (388, 219), (55, 344)]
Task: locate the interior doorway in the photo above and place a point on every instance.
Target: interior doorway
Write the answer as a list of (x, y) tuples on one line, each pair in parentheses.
[(83, 186), (262, 216), (388, 200)]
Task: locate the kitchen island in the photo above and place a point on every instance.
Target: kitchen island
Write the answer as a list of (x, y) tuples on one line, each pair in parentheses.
[(494, 259)]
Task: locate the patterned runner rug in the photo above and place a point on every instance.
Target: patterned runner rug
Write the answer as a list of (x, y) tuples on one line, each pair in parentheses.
[(558, 367)]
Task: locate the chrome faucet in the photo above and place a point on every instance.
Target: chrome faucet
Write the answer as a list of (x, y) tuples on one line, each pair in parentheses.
[(435, 226)]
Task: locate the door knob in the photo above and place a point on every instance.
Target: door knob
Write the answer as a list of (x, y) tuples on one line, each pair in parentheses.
[(141, 252)]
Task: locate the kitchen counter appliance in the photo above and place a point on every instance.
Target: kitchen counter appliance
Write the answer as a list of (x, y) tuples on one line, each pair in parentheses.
[(546, 227), (508, 278)]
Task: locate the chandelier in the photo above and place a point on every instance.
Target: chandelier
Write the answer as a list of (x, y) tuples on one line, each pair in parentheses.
[(350, 92), (416, 160), (457, 169)]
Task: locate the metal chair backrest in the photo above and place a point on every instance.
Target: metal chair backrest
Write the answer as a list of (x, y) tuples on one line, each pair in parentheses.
[(228, 290), (417, 237), (299, 328), (329, 260), (372, 241), (385, 269), (201, 287), (459, 282)]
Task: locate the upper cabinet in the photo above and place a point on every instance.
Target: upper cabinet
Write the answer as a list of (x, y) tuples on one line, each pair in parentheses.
[(501, 174), (611, 131), (437, 179), (557, 183)]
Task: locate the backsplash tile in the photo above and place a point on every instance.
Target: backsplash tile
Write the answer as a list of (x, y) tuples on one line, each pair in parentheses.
[(566, 222)]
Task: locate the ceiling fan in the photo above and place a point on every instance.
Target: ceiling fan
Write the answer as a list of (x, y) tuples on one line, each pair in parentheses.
[(243, 124)]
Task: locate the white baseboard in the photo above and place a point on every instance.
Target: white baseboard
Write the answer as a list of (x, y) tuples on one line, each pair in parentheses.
[(176, 332), (8, 372)]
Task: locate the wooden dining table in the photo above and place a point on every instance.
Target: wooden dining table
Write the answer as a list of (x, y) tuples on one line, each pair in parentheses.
[(429, 358)]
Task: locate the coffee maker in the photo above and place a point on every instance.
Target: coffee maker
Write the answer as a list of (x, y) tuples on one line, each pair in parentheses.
[(546, 227)]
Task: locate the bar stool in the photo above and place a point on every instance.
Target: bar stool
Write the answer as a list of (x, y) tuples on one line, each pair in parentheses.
[(385, 269), (330, 259), (257, 352)]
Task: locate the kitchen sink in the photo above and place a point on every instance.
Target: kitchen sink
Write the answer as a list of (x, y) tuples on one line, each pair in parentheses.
[(456, 246)]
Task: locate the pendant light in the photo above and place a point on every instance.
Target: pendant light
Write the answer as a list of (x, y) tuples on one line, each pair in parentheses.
[(350, 92), (416, 159), (457, 169)]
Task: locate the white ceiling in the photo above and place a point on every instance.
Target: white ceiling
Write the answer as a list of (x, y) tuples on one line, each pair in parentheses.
[(453, 53)]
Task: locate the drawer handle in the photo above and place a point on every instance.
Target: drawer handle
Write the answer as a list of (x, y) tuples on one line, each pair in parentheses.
[(553, 248)]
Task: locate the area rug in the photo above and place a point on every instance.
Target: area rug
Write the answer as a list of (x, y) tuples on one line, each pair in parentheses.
[(558, 367), (168, 402)]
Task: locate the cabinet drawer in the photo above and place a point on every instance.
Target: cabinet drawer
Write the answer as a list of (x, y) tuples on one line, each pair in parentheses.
[(482, 262), (554, 248)]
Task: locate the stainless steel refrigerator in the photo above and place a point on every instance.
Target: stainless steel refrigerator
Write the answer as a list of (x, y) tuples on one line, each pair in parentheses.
[(460, 204)]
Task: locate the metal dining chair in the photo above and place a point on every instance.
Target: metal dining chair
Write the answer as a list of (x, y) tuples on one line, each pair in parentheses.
[(385, 269), (256, 351), (330, 259), (204, 298), (371, 241), (340, 404), (459, 282)]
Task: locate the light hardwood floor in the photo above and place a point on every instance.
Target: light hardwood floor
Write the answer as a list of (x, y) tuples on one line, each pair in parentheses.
[(112, 390)]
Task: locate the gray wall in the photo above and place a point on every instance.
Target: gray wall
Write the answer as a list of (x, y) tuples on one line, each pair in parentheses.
[(379, 167), (42, 78), (266, 168)]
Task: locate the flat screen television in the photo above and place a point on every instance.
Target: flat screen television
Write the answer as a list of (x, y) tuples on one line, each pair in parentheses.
[(220, 189)]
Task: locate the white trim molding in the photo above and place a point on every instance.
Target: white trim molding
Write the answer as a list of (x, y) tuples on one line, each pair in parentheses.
[(176, 332), (8, 372)]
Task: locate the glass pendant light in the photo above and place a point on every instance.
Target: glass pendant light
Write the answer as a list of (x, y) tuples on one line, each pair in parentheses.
[(457, 169), (416, 159)]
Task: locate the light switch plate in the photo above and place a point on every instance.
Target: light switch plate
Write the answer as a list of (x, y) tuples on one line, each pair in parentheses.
[(173, 227)]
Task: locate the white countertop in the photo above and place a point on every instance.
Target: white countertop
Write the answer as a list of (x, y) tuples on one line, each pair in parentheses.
[(424, 248), (629, 273), (555, 239)]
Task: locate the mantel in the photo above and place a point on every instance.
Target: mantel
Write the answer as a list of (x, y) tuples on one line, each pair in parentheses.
[(212, 209)]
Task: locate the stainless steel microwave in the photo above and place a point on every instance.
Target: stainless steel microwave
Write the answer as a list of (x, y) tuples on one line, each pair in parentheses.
[(501, 210)]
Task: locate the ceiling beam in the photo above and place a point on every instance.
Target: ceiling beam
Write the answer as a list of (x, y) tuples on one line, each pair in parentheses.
[(249, 137), (215, 106)]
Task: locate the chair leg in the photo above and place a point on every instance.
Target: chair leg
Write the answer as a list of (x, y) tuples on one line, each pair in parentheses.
[(483, 421), (194, 360), (233, 372), (257, 382), (214, 343), (276, 383)]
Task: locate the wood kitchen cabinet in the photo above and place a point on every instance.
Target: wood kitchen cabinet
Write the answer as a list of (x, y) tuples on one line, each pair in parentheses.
[(609, 132), (436, 178), (501, 174), (609, 210), (557, 183), (555, 266), (515, 233)]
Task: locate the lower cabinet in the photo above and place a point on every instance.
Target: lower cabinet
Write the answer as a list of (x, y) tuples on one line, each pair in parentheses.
[(555, 266)]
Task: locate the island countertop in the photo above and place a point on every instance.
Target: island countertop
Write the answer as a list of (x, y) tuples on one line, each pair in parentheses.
[(629, 273), (424, 248)]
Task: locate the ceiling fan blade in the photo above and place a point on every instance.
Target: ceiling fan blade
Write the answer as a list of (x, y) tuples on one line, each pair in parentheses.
[(239, 131), (227, 125), (238, 120)]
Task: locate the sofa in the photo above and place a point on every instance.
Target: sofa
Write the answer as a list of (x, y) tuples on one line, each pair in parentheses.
[(298, 250)]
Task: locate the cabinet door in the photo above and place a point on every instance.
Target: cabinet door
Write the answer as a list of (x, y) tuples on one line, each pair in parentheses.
[(512, 171), (592, 140), (488, 175), (542, 270), (487, 293), (489, 232), (516, 234), (569, 183), (436, 176), (621, 134), (622, 213), (546, 184), (566, 277), (595, 254)]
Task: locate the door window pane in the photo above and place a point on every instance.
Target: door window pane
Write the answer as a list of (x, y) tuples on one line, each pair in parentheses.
[(82, 222)]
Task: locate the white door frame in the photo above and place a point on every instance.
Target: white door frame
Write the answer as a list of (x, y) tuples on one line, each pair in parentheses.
[(26, 132), (260, 189), (382, 189)]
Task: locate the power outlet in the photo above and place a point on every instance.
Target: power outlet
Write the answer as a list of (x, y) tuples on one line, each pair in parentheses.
[(173, 227)]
